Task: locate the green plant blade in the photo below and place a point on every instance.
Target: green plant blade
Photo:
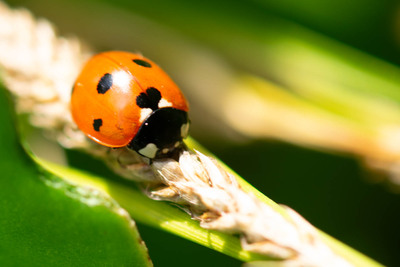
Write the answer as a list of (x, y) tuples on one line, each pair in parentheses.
[(154, 213), (41, 226)]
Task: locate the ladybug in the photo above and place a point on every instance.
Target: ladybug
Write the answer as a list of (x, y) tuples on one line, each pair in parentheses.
[(124, 99)]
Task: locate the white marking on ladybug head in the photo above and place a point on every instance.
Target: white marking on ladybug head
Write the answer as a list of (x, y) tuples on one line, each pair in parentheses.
[(165, 150), (164, 103), (144, 113), (184, 130), (150, 150)]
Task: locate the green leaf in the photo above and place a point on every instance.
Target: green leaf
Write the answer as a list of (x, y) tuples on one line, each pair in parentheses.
[(47, 222)]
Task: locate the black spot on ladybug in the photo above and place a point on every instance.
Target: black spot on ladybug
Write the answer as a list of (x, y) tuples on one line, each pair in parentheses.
[(149, 99), (154, 94), (105, 83), (142, 63), (97, 123), (142, 101)]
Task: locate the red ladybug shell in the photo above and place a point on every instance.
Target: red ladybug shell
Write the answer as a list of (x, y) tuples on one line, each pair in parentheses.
[(104, 98)]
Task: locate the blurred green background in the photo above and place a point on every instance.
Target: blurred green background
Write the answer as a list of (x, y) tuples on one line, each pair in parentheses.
[(204, 44)]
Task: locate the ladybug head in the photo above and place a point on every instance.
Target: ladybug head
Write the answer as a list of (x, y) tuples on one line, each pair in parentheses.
[(162, 131)]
